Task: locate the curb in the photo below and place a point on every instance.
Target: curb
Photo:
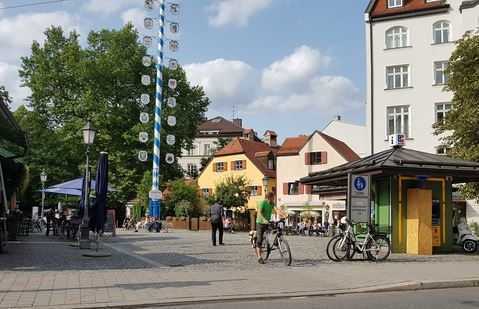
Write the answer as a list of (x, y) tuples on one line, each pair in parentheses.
[(398, 287)]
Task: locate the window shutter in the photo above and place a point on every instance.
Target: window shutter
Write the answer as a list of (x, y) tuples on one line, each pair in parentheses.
[(233, 165), (226, 166), (324, 157), (285, 188), (214, 167), (301, 188), (260, 191), (307, 158), (244, 164), (210, 192), (307, 189)]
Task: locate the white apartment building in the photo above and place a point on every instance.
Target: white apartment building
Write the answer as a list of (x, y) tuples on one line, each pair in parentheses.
[(297, 158), (409, 43), (205, 143), (353, 135)]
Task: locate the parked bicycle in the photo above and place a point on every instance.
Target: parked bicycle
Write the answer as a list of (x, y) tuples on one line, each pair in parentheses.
[(374, 246), (274, 241)]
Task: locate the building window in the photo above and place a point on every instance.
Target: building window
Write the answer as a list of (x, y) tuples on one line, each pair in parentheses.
[(443, 150), (315, 158), (441, 32), (396, 37), (220, 166), (397, 76), (440, 76), (255, 191), (441, 111), (271, 164), (207, 149), (395, 3), (398, 120), (205, 193), (191, 151), (239, 165), (293, 188), (192, 169)]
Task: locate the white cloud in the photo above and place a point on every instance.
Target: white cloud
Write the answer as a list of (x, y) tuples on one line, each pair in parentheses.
[(18, 33), (110, 6), (328, 94), (294, 69), (235, 12), (135, 16), (223, 80), (10, 79)]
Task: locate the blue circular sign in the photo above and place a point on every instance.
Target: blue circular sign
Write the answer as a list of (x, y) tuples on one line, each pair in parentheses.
[(359, 183)]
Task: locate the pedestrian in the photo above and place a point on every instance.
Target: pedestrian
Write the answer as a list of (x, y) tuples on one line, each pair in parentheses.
[(216, 218), (265, 210)]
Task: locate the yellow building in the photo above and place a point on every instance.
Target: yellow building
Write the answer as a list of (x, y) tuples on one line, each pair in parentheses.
[(256, 161)]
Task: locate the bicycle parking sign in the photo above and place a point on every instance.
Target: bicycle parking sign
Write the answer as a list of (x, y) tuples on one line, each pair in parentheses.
[(359, 198)]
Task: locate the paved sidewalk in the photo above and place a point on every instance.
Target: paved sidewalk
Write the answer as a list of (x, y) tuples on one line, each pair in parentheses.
[(182, 266)]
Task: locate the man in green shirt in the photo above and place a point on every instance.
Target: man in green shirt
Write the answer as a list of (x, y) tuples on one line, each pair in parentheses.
[(265, 210)]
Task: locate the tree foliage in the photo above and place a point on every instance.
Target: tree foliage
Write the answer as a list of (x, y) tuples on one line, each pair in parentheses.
[(232, 192), (184, 199), (100, 82), (460, 130)]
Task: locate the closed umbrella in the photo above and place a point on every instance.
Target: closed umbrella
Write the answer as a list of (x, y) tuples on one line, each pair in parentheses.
[(97, 221)]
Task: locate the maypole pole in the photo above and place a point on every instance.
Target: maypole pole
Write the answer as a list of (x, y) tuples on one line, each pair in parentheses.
[(155, 193)]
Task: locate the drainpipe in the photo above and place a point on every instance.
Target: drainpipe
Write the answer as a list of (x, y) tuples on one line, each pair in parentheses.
[(371, 60)]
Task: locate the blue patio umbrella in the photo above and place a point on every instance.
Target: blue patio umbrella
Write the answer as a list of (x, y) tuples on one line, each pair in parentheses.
[(98, 218)]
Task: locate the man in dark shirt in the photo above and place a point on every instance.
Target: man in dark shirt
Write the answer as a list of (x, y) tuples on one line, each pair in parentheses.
[(216, 218)]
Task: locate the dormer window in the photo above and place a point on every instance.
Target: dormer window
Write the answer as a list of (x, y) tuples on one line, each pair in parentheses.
[(395, 3)]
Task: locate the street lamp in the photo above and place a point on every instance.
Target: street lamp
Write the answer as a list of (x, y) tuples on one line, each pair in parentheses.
[(43, 179), (88, 137), (265, 184)]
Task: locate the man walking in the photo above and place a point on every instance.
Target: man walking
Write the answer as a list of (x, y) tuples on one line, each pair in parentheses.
[(216, 218), (265, 210)]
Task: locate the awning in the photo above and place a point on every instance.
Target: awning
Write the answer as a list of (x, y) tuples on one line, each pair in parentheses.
[(398, 161), (13, 143)]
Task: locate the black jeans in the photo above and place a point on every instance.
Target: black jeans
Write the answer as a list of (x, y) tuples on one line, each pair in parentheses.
[(214, 228)]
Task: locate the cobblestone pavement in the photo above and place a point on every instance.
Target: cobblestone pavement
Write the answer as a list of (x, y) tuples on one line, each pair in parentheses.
[(180, 265)]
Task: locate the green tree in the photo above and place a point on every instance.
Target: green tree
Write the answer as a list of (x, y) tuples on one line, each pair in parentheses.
[(461, 126), (101, 82), (232, 192), (183, 199)]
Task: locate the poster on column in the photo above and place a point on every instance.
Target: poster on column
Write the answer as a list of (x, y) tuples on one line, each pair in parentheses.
[(359, 197)]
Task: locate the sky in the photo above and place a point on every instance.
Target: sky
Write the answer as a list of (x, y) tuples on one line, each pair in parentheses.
[(286, 65)]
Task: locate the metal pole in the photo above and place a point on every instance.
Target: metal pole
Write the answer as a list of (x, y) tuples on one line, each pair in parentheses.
[(155, 204), (43, 199), (84, 228)]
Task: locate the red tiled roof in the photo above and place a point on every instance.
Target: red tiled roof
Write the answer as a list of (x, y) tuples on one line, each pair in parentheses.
[(379, 8), (250, 149), (347, 153), (292, 145), (220, 124)]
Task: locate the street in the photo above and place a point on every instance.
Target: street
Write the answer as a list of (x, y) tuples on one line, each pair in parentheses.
[(432, 299), (164, 268)]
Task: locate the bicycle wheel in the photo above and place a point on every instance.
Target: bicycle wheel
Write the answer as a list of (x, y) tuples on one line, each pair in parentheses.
[(341, 248), (266, 248), (285, 251), (378, 248), (329, 248)]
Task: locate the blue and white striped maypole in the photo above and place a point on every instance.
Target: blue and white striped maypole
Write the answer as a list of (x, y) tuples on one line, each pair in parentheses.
[(155, 200)]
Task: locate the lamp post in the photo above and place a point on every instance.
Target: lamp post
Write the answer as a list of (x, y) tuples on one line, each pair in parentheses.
[(265, 184), (43, 179), (88, 138)]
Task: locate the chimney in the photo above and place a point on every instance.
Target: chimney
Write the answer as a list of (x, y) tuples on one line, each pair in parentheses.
[(238, 122), (270, 138), (338, 117)]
